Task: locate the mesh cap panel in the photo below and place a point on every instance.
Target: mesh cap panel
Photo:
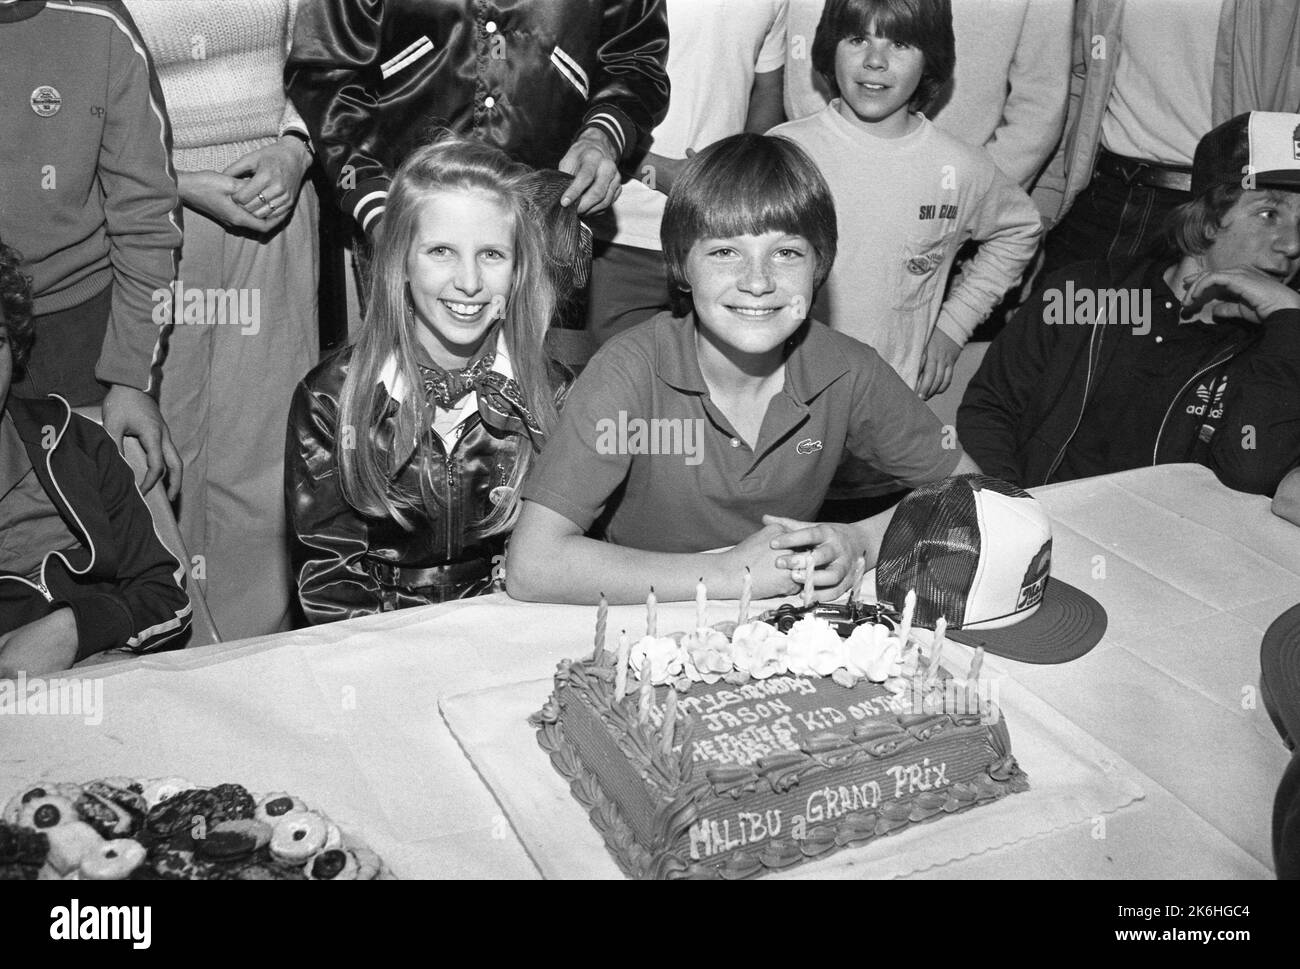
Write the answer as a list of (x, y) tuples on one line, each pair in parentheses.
[(933, 545)]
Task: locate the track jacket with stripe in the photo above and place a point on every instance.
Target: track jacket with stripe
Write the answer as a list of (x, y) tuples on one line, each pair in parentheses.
[(87, 189), (123, 586)]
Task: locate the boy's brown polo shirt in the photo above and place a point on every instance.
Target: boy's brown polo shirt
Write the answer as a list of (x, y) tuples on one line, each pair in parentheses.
[(643, 454)]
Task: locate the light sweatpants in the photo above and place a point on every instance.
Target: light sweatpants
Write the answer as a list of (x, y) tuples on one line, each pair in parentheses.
[(227, 381)]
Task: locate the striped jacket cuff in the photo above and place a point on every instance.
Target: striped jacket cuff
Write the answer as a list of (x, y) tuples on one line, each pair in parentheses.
[(615, 125), (366, 203)]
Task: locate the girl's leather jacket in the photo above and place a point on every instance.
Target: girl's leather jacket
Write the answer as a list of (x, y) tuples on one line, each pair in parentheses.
[(348, 564)]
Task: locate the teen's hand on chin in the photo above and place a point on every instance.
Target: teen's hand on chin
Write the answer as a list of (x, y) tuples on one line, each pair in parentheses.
[(756, 553), (835, 546), (1245, 294)]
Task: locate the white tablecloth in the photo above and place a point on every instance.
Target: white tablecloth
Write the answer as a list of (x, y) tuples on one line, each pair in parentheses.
[(346, 716)]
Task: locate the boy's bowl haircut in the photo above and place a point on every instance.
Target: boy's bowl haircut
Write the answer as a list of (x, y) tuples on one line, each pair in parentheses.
[(924, 24), (747, 184)]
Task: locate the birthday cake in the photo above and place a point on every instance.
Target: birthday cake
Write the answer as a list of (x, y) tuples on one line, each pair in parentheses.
[(740, 749), (119, 828)]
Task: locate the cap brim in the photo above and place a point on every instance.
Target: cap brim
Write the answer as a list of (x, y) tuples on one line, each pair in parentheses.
[(1279, 665), (1288, 178), (1067, 624)]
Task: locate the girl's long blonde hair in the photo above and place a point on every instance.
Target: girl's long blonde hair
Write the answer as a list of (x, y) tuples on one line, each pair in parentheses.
[(369, 469)]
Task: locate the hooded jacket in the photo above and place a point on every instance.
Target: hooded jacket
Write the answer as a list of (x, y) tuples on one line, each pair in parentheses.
[(373, 79), (124, 588), (1032, 390)]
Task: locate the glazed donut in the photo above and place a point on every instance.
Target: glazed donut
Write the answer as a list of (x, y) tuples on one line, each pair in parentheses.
[(163, 788), (368, 863), (333, 864), (69, 843), (112, 861), (13, 811), (296, 837), (47, 812), (275, 806), (231, 841), (114, 812)]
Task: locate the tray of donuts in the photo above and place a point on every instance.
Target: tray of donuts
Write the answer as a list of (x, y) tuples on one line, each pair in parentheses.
[(169, 828)]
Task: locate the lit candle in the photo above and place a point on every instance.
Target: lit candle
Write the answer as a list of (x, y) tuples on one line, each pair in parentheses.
[(746, 592), (940, 628), (701, 604), (808, 571), (670, 720), (651, 614), (620, 672), (602, 617), (647, 694), (905, 627), (862, 586)]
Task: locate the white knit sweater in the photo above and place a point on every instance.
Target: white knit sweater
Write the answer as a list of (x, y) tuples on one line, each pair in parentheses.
[(221, 66)]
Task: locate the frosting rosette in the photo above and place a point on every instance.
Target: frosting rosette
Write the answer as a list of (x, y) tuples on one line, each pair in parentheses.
[(661, 654), (708, 656), (758, 649), (874, 652), (813, 648)]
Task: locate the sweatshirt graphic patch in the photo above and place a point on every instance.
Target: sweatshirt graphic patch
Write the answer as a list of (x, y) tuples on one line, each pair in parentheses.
[(46, 101)]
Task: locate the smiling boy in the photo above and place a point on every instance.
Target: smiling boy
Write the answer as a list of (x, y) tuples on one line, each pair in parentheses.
[(749, 235), (909, 194)]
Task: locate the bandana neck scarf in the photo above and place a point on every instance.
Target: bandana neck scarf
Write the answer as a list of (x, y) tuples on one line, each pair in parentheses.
[(501, 402)]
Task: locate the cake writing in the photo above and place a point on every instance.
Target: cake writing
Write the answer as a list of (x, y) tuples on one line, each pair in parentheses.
[(712, 837), (917, 777), (746, 746), (829, 803), (755, 690)]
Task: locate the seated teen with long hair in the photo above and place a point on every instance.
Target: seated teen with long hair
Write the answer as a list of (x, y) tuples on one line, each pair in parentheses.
[(406, 450), (723, 425)]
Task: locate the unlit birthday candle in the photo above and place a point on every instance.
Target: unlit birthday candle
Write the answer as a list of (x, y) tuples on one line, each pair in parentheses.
[(701, 604), (620, 671), (859, 569), (651, 614), (905, 626), (940, 630), (647, 697), (602, 617), (808, 579), (862, 585), (670, 720), (746, 592)]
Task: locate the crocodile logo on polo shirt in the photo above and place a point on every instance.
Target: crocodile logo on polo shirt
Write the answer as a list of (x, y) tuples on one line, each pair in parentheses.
[(808, 446), (46, 101)]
